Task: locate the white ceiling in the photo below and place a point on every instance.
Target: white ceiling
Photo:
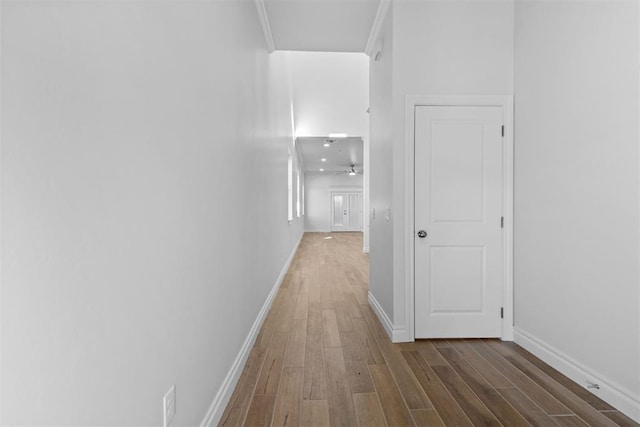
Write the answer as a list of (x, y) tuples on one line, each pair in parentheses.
[(340, 155), (321, 25)]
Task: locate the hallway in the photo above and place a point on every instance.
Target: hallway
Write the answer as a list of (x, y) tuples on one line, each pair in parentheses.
[(322, 358)]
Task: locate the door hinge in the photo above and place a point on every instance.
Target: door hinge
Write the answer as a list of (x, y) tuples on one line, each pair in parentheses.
[(502, 312), (501, 222), (503, 131)]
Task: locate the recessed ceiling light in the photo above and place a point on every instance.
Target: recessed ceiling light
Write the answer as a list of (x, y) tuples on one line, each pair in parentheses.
[(321, 170), (323, 160), (337, 135), (326, 144)]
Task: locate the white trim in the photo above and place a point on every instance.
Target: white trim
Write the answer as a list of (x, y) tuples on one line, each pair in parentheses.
[(506, 102), (382, 316), (366, 203), (1, 231), (377, 26), (266, 27), (221, 399), (396, 335), (317, 230), (616, 395), (402, 335), (638, 120)]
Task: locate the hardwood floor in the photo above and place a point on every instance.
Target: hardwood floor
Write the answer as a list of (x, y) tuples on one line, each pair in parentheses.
[(322, 358)]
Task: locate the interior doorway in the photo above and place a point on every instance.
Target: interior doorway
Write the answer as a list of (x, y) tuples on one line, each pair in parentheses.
[(346, 211), (459, 228)]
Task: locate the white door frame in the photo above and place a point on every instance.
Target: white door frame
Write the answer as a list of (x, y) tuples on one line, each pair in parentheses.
[(506, 102)]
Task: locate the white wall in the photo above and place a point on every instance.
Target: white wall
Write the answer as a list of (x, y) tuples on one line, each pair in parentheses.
[(331, 93), (144, 159), (381, 170), (577, 219), (318, 190), (437, 47), (576, 198)]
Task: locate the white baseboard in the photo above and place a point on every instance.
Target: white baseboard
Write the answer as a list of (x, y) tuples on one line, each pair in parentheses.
[(617, 396), (220, 401), (402, 335), (382, 316), (396, 335), (318, 230)]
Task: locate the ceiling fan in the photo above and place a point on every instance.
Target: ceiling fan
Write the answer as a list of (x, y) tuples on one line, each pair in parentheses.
[(351, 171)]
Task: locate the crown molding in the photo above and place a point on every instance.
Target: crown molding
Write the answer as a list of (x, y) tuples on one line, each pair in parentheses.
[(377, 26), (266, 28)]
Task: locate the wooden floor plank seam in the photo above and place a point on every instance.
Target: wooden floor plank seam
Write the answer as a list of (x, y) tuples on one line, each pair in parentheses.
[(500, 406)]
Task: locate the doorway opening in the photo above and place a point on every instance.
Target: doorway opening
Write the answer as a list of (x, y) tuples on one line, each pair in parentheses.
[(346, 211), (331, 123), (461, 211)]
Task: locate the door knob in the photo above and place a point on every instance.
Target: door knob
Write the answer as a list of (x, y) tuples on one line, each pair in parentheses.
[(422, 234)]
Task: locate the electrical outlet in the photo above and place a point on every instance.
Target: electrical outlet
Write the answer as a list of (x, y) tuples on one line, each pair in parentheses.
[(169, 405)]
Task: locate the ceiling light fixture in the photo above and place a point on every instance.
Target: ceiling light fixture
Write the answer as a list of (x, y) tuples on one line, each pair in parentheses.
[(326, 144), (323, 160), (352, 172), (321, 170), (337, 135)]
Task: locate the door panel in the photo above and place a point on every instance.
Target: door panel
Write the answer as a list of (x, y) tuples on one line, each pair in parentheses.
[(458, 201), (454, 289), (457, 170), (354, 212), (338, 212)]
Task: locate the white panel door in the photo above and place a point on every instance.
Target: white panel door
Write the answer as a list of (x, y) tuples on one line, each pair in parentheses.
[(458, 204), (346, 212)]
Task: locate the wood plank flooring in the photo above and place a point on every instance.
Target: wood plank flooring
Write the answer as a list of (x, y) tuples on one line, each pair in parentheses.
[(323, 359)]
